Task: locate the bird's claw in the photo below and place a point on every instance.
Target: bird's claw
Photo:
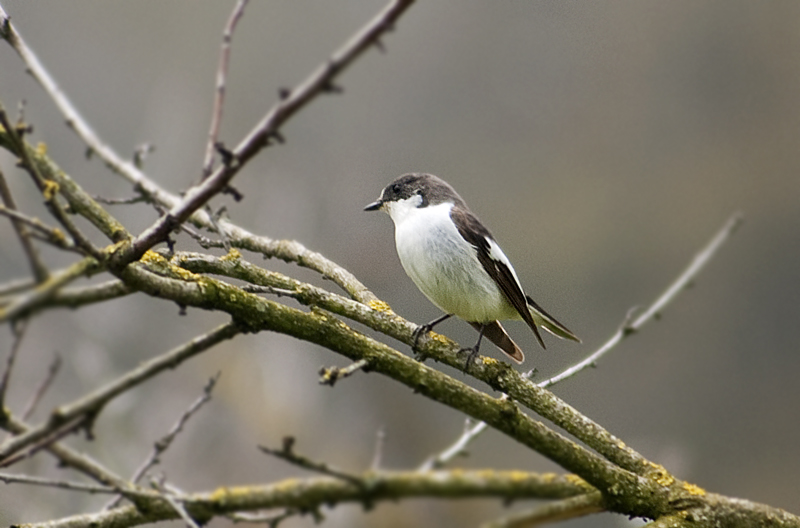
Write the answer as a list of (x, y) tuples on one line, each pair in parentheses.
[(472, 355), (418, 333)]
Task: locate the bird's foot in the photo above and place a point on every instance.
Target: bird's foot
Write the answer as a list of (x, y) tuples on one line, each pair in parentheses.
[(418, 333), (472, 355), (424, 329)]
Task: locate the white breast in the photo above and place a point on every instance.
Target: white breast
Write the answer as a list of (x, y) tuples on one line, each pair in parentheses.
[(443, 265)]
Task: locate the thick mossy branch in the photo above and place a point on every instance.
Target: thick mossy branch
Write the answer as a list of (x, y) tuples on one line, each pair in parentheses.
[(494, 373), (307, 495), (625, 491)]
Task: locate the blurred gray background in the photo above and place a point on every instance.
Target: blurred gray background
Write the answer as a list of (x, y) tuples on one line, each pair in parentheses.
[(603, 143)]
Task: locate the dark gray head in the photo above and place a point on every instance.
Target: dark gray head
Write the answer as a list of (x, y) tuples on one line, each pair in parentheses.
[(430, 189)]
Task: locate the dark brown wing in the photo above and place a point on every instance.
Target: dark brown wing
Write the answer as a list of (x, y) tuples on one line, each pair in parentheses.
[(495, 333), (476, 234)]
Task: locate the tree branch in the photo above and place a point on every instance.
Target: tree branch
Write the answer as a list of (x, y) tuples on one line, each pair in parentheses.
[(317, 83), (313, 493), (91, 404), (630, 327), (38, 268), (219, 93)]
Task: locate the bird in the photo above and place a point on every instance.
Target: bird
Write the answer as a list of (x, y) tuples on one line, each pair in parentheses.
[(456, 263)]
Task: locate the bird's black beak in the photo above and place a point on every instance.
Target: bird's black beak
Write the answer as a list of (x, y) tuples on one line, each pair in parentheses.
[(374, 206)]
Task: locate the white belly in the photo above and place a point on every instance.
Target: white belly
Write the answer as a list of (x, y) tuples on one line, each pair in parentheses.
[(446, 268)]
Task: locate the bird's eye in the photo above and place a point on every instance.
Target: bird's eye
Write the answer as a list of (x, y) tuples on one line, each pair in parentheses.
[(395, 188)]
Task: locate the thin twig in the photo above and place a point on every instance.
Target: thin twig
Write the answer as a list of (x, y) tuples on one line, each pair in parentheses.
[(290, 251), (219, 94), (52, 371), (51, 235), (52, 435), (551, 512), (15, 286), (68, 457), (270, 519), (48, 289), (48, 188), (287, 453), (9, 478), (121, 201), (280, 292), (163, 444), (684, 279), (459, 447), (37, 266), (319, 82), (330, 375), (19, 332), (178, 507), (92, 403)]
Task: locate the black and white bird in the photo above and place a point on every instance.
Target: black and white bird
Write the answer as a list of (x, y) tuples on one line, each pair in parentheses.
[(454, 260)]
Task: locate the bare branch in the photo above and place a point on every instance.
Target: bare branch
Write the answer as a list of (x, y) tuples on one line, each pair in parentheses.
[(15, 286), (91, 404), (53, 434), (552, 512), (684, 279), (330, 375), (314, 493), (219, 95), (52, 371), (48, 188), (270, 519), (19, 332), (317, 83), (51, 235), (38, 268), (26, 302), (8, 478), (287, 250), (287, 453), (70, 458), (163, 444)]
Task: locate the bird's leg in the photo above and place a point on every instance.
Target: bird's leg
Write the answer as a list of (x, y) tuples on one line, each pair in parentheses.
[(424, 329), (473, 352)]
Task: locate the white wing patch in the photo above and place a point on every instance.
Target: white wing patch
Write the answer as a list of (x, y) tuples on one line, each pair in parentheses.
[(497, 254)]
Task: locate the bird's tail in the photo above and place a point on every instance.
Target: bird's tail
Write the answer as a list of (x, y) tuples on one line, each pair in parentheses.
[(495, 333), (549, 323)]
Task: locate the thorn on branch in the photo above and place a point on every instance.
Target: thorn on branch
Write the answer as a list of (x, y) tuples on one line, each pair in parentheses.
[(329, 87), (379, 44), (284, 93), (277, 136), (234, 192), (228, 157), (5, 28)]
